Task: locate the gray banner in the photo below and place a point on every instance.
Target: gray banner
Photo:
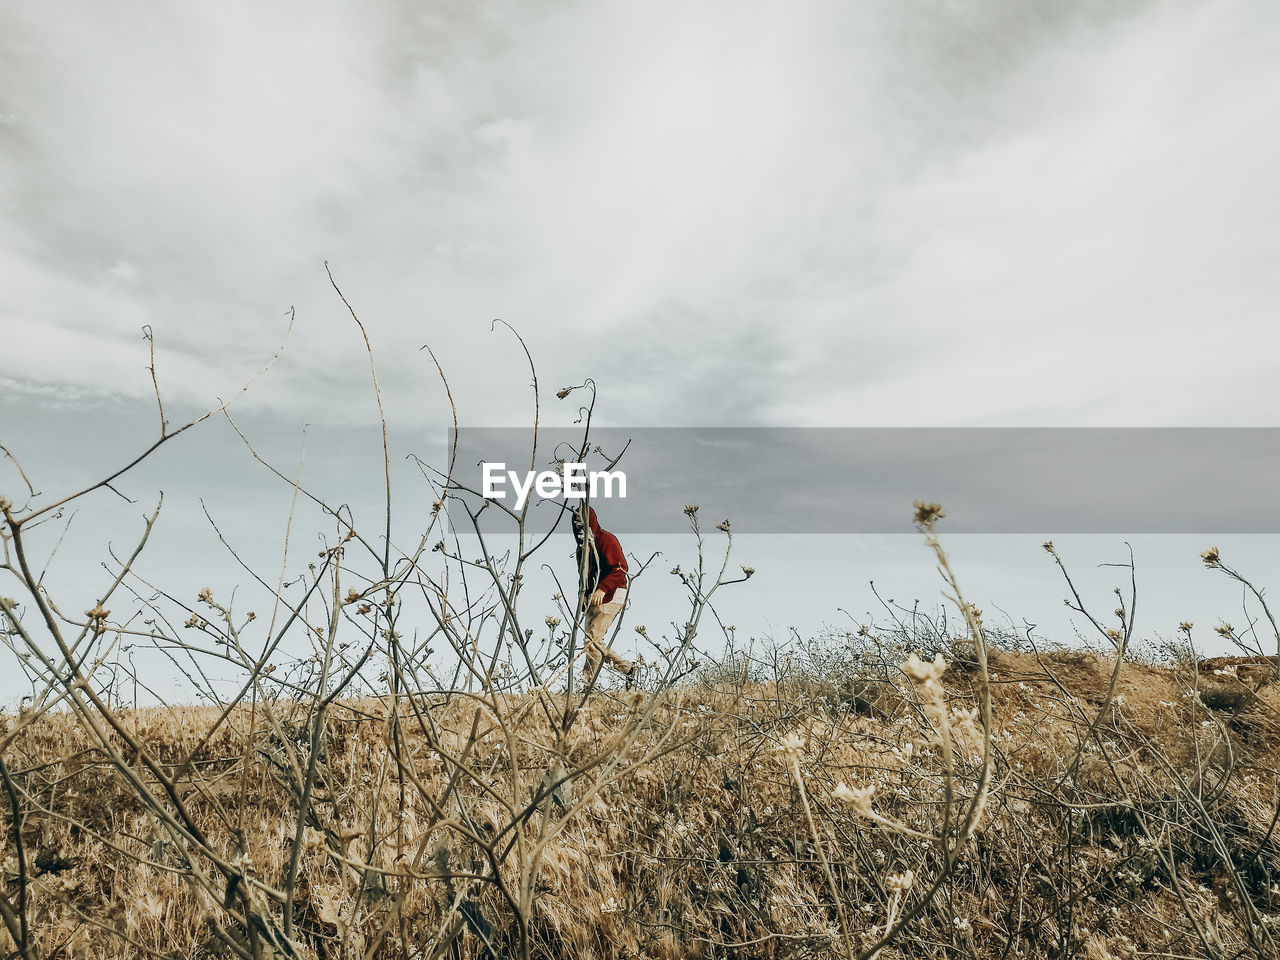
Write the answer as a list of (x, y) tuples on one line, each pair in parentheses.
[(863, 480)]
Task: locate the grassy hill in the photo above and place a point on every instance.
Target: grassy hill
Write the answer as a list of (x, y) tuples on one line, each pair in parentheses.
[(1122, 813)]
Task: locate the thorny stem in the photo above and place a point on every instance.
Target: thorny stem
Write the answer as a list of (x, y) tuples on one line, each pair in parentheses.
[(23, 936), (793, 763), (951, 850)]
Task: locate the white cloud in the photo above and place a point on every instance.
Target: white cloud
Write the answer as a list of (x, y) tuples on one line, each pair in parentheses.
[(125, 271), (1099, 257), (978, 211)]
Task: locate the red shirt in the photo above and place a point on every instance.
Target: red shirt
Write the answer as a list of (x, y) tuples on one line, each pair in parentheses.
[(606, 565)]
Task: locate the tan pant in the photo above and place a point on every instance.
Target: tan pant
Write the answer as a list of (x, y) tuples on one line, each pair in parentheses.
[(598, 621)]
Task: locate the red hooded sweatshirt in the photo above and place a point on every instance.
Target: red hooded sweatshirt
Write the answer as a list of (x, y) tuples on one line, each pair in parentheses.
[(606, 566)]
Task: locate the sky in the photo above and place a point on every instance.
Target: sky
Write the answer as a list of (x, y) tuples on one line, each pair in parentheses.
[(998, 213)]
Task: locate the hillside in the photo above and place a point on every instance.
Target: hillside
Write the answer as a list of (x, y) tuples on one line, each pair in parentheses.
[(1142, 825)]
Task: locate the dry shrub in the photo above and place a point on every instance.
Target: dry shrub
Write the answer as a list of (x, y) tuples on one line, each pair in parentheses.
[(704, 847), (904, 792), (1228, 697)]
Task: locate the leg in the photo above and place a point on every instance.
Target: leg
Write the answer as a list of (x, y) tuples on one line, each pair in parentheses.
[(599, 620)]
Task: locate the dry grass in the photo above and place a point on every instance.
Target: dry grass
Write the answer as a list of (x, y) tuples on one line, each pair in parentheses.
[(1098, 844), (866, 804)]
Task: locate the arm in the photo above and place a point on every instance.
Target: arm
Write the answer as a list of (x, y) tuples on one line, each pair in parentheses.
[(613, 560)]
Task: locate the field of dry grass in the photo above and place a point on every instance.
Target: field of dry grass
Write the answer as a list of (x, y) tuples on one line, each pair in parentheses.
[(1142, 827)]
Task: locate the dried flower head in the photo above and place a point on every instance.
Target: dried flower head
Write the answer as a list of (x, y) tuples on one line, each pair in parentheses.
[(1185, 626), (1224, 630), (562, 393), (927, 514), (922, 671), (1210, 557), (791, 745), (900, 882), (553, 622), (748, 571), (206, 595), (856, 798), (690, 509)]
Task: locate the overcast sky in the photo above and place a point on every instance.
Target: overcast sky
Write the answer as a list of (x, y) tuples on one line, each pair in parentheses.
[(949, 213)]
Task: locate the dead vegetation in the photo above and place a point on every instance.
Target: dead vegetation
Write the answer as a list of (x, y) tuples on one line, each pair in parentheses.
[(1154, 831), (402, 761)]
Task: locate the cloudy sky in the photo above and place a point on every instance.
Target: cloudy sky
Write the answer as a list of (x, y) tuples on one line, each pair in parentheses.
[(888, 213)]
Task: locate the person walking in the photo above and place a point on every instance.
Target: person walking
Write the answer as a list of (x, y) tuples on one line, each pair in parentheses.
[(602, 569)]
